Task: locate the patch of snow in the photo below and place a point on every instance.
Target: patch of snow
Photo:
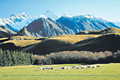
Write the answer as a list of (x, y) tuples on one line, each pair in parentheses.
[(67, 15)]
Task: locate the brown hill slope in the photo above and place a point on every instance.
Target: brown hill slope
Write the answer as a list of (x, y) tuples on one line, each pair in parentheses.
[(109, 42), (105, 31)]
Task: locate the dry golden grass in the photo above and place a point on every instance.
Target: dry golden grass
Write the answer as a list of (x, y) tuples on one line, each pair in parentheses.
[(24, 37), (73, 38), (22, 43), (3, 38)]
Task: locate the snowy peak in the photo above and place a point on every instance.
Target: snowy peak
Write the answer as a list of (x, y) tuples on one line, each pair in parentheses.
[(89, 16), (18, 17), (51, 15), (67, 15), (17, 21), (85, 22)]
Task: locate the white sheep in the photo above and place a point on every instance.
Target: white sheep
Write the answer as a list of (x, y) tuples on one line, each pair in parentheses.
[(73, 66), (93, 66), (62, 67), (98, 66), (88, 66), (83, 67), (42, 68), (51, 68), (68, 67), (77, 67)]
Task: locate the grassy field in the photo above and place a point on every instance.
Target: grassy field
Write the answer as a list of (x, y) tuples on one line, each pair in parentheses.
[(105, 72), (74, 38), (22, 43)]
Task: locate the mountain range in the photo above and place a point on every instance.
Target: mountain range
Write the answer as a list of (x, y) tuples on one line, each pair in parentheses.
[(50, 24)]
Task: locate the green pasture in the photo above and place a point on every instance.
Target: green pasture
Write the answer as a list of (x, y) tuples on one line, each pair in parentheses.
[(33, 72)]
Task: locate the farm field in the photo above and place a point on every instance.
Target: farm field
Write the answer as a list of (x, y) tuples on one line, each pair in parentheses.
[(32, 72)]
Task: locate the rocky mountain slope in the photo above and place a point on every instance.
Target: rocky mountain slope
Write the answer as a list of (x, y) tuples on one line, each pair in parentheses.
[(85, 22), (44, 27)]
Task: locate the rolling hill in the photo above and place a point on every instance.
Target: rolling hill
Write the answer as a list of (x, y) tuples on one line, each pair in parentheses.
[(17, 42), (108, 42), (111, 30)]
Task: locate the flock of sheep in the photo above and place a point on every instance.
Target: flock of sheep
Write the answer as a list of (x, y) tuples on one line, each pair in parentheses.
[(69, 67)]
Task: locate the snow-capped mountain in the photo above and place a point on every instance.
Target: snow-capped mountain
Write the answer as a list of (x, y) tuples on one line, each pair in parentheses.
[(51, 15), (117, 23), (85, 22), (51, 24), (17, 21), (44, 27)]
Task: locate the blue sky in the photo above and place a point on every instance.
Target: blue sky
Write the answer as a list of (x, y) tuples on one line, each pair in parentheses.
[(108, 9)]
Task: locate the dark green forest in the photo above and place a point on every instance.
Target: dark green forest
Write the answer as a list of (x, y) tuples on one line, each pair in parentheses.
[(12, 58)]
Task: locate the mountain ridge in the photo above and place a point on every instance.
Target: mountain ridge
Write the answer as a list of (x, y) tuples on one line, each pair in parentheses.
[(45, 28), (65, 24)]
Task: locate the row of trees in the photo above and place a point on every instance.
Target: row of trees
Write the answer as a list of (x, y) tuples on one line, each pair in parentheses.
[(11, 58), (86, 57)]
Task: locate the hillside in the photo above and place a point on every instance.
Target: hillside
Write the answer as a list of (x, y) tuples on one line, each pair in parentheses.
[(102, 43), (17, 42), (106, 42), (111, 30), (6, 32), (106, 31)]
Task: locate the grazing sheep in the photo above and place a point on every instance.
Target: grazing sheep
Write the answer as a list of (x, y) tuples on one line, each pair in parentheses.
[(88, 66), (83, 67), (42, 68), (93, 66), (68, 67), (73, 66), (98, 66), (51, 68), (65, 67), (77, 67), (62, 67)]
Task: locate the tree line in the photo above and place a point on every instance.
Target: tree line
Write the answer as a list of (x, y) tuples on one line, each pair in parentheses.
[(86, 57), (12, 58)]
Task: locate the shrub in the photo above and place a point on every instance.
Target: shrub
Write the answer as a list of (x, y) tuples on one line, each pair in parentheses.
[(86, 57)]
